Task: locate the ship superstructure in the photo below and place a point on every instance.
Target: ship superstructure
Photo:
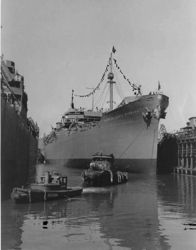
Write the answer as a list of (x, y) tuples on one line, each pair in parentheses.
[(19, 134), (129, 131)]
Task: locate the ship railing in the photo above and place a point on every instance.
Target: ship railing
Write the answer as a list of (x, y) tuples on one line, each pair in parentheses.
[(12, 100), (24, 121), (17, 107), (81, 127), (186, 135), (49, 138)]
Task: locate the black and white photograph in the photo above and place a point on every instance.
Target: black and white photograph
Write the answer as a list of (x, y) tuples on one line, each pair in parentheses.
[(98, 124)]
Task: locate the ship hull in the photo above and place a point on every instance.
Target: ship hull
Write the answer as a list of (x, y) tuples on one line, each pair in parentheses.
[(143, 166), (124, 132), (18, 150)]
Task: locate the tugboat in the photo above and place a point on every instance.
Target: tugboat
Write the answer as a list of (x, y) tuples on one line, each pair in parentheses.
[(102, 172), (49, 187)]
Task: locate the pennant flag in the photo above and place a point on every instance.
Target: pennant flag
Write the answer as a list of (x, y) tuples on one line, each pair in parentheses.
[(113, 50)]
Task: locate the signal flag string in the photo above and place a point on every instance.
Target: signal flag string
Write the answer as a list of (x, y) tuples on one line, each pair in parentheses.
[(135, 88)]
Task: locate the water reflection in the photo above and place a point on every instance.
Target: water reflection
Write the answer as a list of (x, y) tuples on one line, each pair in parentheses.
[(134, 219), (178, 194), (177, 210), (145, 213)]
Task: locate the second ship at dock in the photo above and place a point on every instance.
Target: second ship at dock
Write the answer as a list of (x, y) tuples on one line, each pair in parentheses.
[(128, 131)]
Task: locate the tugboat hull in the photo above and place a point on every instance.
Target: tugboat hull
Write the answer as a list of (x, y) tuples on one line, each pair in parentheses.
[(20, 195), (104, 179)]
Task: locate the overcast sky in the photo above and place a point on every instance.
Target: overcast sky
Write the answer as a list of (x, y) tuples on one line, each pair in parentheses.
[(60, 45)]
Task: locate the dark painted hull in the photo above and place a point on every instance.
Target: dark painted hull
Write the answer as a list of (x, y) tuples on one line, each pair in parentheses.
[(31, 195), (122, 132), (136, 165), (18, 150), (104, 178)]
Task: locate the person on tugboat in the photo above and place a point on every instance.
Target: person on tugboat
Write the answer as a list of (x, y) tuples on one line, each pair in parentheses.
[(48, 177)]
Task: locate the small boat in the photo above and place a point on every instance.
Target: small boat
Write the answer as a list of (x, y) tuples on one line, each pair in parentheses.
[(102, 172), (49, 187)]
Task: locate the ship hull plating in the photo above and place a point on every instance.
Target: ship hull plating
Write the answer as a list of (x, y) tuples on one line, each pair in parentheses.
[(18, 150), (125, 132)]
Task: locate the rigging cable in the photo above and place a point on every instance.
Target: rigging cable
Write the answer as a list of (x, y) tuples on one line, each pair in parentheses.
[(98, 85), (98, 101), (104, 99), (135, 88), (118, 87)]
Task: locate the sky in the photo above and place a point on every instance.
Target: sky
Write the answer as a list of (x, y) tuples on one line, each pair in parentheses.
[(60, 45)]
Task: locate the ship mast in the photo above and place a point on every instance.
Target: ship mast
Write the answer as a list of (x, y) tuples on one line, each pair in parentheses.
[(111, 82), (72, 102)]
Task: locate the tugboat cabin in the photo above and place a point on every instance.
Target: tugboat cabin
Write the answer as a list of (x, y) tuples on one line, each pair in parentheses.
[(102, 162)]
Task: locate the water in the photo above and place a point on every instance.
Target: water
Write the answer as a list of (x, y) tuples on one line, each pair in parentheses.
[(144, 214)]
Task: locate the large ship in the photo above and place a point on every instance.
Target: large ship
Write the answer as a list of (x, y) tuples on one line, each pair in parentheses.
[(128, 131), (19, 134)]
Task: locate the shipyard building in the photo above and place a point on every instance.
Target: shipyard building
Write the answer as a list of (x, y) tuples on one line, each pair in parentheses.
[(186, 141)]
